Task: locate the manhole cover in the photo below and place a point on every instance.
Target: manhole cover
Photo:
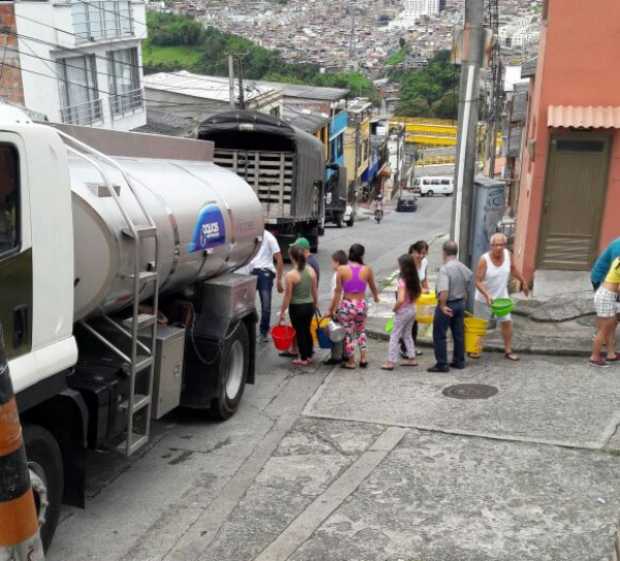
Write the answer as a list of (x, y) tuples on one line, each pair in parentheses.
[(470, 391)]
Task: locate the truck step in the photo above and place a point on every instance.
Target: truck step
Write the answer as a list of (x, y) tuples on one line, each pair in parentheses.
[(143, 363), (138, 441), (139, 403), (143, 320)]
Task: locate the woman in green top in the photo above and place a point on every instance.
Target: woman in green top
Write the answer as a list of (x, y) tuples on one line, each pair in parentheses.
[(300, 297)]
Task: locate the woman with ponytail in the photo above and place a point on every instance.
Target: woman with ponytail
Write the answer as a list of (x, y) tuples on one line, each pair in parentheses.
[(300, 297)]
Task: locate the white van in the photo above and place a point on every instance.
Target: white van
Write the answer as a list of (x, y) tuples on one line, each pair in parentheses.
[(429, 186)]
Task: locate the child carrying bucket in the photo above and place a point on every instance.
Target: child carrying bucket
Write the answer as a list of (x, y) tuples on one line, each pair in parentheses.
[(409, 291)]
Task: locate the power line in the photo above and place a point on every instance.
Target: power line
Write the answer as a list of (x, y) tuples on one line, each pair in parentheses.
[(153, 101), (61, 47), (130, 18)]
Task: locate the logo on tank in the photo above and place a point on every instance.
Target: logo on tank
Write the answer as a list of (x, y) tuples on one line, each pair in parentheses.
[(209, 231)]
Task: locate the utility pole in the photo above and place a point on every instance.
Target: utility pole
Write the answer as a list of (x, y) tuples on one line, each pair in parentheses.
[(356, 184), (469, 93), (241, 92), (231, 81), (496, 86)]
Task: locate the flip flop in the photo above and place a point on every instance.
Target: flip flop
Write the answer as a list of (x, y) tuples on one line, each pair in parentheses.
[(347, 367), (511, 356), (363, 364), (388, 368), (615, 359)]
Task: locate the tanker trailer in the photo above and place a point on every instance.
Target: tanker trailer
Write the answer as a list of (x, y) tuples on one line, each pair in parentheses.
[(119, 297), (284, 165)]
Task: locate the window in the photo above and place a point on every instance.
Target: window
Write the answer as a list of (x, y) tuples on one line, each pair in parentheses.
[(125, 90), (275, 112), (336, 148), (9, 199), (445, 182), (102, 19), (79, 92)]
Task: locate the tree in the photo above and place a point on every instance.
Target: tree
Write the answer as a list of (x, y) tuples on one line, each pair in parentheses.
[(431, 91)]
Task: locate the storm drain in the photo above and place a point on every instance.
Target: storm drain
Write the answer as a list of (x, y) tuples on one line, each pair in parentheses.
[(470, 391)]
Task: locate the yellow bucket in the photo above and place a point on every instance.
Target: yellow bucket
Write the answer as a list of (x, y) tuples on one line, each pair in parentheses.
[(425, 307), (315, 325), (475, 330)]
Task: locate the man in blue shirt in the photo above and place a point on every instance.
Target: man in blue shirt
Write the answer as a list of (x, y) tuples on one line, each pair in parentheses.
[(603, 263)]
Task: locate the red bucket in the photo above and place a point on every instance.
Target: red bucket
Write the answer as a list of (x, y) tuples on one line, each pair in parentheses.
[(283, 336)]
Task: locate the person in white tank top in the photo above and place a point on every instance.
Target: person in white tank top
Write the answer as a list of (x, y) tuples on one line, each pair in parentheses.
[(492, 278)]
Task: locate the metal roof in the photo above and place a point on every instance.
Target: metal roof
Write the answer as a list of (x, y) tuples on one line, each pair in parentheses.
[(586, 117), (202, 86), (304, 92), (309, 122)]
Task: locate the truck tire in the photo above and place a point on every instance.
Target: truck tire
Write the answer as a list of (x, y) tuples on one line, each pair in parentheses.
[(338, 220), (351, 221), (45, 459), (314, 243), (233, 372)]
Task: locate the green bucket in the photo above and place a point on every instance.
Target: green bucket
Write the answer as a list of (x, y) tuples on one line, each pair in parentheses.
[(389, 326), (502, 307)]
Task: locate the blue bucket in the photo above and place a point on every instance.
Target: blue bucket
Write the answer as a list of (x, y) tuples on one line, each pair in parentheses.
[(324, 340)]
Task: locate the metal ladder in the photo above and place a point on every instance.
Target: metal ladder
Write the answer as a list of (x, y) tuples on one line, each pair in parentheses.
[(139, 361)]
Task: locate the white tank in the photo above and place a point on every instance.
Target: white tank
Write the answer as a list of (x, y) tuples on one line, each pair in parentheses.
[(209, 221)]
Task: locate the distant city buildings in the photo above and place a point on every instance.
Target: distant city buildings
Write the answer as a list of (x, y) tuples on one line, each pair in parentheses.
[(415, 9)]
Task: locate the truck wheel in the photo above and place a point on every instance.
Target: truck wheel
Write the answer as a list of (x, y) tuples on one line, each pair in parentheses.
[(430, 193), (45, 459), (351, 221), (338, 220), (233, 372)]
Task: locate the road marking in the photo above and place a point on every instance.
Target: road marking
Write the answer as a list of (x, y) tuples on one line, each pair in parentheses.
[(302, 528)]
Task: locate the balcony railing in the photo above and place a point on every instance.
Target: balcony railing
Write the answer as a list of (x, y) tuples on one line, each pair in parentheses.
[(102, 19), (87, 113), (124, 104)]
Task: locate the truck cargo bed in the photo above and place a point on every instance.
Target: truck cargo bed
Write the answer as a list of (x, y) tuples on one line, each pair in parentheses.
[(271, 174)]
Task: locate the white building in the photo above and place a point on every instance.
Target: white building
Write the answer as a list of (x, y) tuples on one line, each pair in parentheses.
[(81, 61), (415, 9)]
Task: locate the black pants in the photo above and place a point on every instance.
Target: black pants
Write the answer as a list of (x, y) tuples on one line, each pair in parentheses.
[(441, 324), (301, 318)]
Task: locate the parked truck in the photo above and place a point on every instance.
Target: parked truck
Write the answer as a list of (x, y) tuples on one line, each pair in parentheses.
[(284, 165), (118, 301)]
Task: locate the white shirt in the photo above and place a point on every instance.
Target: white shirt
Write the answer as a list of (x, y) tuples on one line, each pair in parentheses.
[(264, 258), (423, 269), (496, 278)]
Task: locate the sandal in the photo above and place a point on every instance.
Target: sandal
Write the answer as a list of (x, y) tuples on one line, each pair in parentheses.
[(364, 364), (346, 366), (299, 362), (388, 368), (511, 356), (615, 359)]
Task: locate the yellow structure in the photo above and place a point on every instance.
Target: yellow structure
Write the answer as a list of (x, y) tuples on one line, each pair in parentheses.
[(359, 115)]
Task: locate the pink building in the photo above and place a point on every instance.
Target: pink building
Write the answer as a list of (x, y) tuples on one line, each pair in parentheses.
[(569, 195)]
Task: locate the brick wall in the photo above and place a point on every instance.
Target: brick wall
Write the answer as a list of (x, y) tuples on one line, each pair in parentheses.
[(11, 87)]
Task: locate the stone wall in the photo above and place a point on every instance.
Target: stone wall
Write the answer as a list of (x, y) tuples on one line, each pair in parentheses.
[(11, 87)]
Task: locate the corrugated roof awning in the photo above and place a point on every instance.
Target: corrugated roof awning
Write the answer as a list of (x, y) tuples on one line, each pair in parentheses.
[(584, 117)]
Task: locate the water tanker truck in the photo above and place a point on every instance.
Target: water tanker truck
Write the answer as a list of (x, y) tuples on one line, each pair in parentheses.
[(119, 301)]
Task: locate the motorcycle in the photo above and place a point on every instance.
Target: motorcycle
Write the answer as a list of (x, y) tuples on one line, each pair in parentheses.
[(379, 209)]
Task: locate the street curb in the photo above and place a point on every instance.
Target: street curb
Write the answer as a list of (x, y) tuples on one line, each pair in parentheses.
[(527, 348)]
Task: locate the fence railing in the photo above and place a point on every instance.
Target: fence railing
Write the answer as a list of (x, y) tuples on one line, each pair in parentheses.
[(87, 113), (123, 104)]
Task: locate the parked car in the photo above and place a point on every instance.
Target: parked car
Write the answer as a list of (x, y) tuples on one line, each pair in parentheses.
[(407, 202), (429, 186)]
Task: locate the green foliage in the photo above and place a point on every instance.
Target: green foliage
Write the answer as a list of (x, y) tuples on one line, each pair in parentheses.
[(168, 59), (171, 30), (432, 91), (397, 57), (167, 51)]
